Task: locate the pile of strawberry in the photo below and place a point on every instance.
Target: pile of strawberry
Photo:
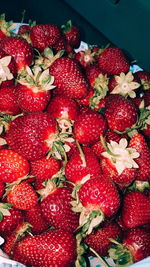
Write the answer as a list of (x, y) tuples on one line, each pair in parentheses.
[(74, 150)]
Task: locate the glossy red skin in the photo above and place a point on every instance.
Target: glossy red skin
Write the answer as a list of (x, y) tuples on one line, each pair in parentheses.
[(22, 196), (124, 179), (44, 35), (41, 249), (143, 78), (73, 37), (61, 44), (60, 105), (57, 209), (92, 73), (9, 223), (75, 171), (34, 217), (44, 168), (27, 134), (88, 127), (68, 78), (2, 188), (24, 29), (137, 240), (99, 238), (100, 194), (116, 65), (30, 101), (139, 143), (8, 101), (12, 166), (19, 49), (121, 113), (135, 209)]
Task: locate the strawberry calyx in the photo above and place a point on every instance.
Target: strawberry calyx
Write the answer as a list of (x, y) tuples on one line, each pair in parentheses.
[(50, 187), (36, 79), (125, 85), (59, 177), (5, 73), (65, 125), (6, 27), (100, 90), (5, 120), (120, 254), (45, 61), (120, 154), (81, 250), (140, 186), (67, 27), (4, 210), (10, 186)]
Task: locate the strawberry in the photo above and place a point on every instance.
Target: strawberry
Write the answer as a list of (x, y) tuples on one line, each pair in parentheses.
[(146, 98), (56, 207), (22, 196), (92, 73), (33, 89), (135, 247), (53, 248), (85, 58), (44, 35), (19, 49), (12, 166), (68, 78), (82, 164), (135, 209), (24, 29), (2, 188), (88, 127), (8, 101), (143, 78), (35, 218), (139, 143), (9, 223), (44, 168), (99, 238), (120, 113), (99, 198), (113, 61), (72, 34), (27, 135)]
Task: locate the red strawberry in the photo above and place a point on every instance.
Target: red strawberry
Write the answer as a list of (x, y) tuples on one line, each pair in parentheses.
[(2, 188), (19, 49), (88, 127), (113, 61), (85, 58), (135, 209), (135, 247), (44, 35), (24, 29), (120, 113), (27, 135), (56, 208), (12, 166), (68, 78), (80, 165), (22, 196), (9, 223), (143, 78), (99, 238), (35, 218), (8, 101), (139, 143), (72, 34), (44, 168), (99, 198), (92, 73), (53, 248)]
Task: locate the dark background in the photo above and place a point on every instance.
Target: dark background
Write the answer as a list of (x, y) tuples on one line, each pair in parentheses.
[(125, 23)]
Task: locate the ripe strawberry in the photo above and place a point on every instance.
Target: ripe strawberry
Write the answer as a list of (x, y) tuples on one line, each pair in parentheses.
[(12, 166), (99, 238), (139, 143), (135, 247), (68, 78), (85, 58), (143, 78), (27, 135), (135, 209), (92, 73), (8, 101), (88, 127), (22, 196), (56, 209), (44, 168), (35, 218), (72, 34), (99, 198), (44, 35), (9, 223), (120, 113), (113, 61), (52, 248), (19, 49), (24, 29), (2, 188), (81, 165)]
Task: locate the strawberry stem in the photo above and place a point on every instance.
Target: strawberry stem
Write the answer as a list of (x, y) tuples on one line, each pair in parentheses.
[(107, 148), (99, 257), (81, 154)]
